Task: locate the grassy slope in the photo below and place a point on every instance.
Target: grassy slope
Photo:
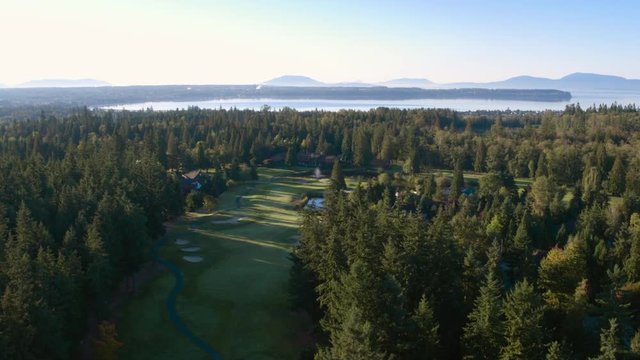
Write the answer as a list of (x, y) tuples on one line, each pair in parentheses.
[(236, 299)]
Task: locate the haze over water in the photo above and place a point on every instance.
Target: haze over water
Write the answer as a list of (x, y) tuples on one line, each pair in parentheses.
[(584, 98)]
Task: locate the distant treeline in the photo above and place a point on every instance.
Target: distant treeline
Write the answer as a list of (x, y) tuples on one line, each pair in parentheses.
[(116, 95)]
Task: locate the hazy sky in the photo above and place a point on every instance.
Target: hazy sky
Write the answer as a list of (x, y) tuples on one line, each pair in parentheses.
[(235, 41)]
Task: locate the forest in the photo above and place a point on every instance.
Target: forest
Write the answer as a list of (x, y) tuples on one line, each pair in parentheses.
[(478, 235)]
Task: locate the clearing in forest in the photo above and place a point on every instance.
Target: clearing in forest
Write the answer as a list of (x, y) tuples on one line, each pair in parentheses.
[(236, 298)]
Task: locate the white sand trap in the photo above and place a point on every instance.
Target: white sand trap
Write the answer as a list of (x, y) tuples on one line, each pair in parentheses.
[(231, 221), (181, 242), (223, 222), (193, 259), (191, 249)]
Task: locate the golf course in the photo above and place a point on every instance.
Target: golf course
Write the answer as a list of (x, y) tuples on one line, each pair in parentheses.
[(228, 280)]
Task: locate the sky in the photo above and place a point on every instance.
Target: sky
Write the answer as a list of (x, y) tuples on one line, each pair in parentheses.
[(127, 42)]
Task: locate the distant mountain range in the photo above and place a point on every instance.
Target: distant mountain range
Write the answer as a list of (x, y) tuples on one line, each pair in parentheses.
[(575, 81), (571, 82), (62, 83)]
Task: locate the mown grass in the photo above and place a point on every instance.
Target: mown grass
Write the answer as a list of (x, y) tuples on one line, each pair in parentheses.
[(236, 299)]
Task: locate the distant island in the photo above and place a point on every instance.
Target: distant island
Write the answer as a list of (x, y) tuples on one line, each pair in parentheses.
[(118, 95)]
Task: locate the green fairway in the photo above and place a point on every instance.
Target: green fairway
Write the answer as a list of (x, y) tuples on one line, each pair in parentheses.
[(235, 299)]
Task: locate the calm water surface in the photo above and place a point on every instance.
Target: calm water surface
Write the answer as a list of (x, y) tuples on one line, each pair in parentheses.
[(585, 98)]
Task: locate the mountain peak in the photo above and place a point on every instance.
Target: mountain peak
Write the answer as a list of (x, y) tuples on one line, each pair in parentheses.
[(591, 76), (293, 80), (408, 82)]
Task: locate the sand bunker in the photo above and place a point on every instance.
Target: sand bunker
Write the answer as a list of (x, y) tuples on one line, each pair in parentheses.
[(181, 242), (191, 249), (231, 221), (193, 259)]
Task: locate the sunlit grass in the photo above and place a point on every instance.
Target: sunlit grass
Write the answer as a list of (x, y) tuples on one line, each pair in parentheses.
[(235, 299)]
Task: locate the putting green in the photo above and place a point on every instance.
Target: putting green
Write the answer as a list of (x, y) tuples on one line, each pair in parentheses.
[(236, 298)]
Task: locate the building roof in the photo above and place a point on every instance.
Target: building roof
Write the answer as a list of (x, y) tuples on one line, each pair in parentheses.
[(191, 175)]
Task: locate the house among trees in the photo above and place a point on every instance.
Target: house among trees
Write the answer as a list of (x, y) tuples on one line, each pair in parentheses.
[(191, 180)]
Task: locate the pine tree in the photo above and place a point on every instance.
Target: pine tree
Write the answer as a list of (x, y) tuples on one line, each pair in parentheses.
[(172, 151), (99, 268), (522, 246), (290, 159), (635, 344), (615, 180), (609, 343), (361, 148), (524, 334), (427, 341), (554, 352), (457, 183), (479, 162), (632, 263), (557, 351), (354, 340), (541, 168), (482, 338), (345, 148), (337, 179)]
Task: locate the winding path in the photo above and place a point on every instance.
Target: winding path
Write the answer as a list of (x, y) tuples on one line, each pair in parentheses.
[(171, 304)]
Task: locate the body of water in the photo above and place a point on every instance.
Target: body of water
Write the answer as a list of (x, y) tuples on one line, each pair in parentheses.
[(315, 203), (585, 98)]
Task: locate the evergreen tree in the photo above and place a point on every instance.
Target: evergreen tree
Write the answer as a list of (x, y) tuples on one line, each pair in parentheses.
[(632, 262), (556, 351), (291, 158), (482, 338), (457, 183), (635, 344), (427, 341), (337, 179), (354, 340), (479, 162), (522, 244), (524, 334), (615, 181), (172, 151), (609, 343)]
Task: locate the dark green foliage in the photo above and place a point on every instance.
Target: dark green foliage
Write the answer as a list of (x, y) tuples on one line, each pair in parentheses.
[(609, 343), (483, 336), (193, 201), (615, 180), (337, 178), (393, 270), (523, 328)]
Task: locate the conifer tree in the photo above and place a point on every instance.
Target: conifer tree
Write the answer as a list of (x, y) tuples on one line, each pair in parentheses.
[(615, 181), (427, 341), (524, 334), (457, 183), (290, 159), (354, 340), (482, 337), (635, 343), (609, 343), (479, 162), (337, 178)]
